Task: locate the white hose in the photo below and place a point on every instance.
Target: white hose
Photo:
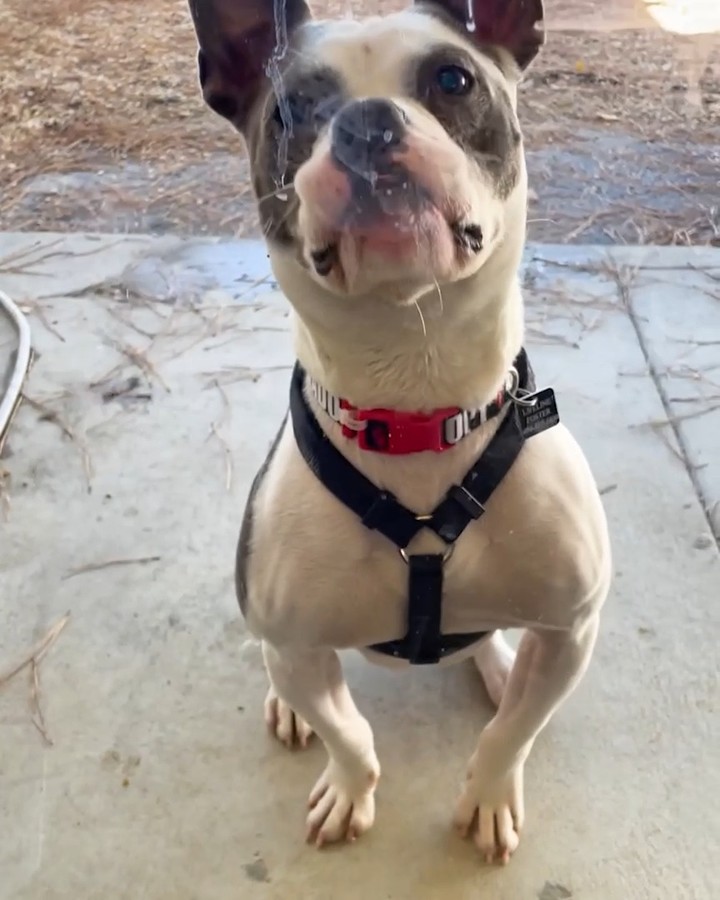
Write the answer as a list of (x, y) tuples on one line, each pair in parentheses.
[(11, 398)]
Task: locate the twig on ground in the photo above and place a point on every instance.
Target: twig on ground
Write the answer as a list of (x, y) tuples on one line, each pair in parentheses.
[(623, 276), (107, 564), (214, 432), (674, 420), (35, 309), (227, 410), (37, 716), (227, 452), (128, 323), (4, 494), (706, 399), (608, 489), (36, 653), (544, 337), (138, 358), (17, 255), (231, 374), (697, 343), (33, 658), (237, 331), (588, 223), (576, 267), (62, 254), (51, 415), (664, 437), (706, 272)]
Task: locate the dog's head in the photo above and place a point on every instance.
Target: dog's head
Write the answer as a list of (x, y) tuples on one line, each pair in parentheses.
[(384, 151)]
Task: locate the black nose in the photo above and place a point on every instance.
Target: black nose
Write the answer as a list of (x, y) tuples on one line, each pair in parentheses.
[(365, 134)]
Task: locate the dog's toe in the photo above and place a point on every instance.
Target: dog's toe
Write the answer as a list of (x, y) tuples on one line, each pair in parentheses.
[(341, 809), (490, 810), (287, 727)]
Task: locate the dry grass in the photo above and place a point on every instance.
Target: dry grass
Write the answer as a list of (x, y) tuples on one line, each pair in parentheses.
[(106, 82)]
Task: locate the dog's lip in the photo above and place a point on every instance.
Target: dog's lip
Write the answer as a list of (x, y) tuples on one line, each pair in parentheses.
[(395, 236)]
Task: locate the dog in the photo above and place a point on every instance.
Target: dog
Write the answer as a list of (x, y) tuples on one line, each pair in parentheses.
[(388, 165)]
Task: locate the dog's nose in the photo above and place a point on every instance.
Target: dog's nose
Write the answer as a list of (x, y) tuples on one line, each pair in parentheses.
[(365, 134)]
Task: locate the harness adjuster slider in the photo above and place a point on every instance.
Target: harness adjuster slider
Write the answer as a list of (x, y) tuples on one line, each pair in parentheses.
[(472, 506), (376, 513)]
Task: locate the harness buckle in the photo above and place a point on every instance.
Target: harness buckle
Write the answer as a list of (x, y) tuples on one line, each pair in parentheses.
[(398, 433)]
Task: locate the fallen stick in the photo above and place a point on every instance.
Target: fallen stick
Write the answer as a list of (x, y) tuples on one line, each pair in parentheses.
[(37, 652), (674, 420), (52, 415), (95, 567), (38, 718)]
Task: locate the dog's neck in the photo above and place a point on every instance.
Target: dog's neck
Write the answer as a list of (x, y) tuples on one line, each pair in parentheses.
[(453, 348)]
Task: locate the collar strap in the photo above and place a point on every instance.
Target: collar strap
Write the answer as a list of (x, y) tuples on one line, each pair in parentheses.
[(397, 433)]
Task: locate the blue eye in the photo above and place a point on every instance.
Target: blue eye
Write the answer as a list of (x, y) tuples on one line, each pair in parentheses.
[(454, 80)]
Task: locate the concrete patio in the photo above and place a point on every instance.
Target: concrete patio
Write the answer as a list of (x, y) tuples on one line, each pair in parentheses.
[(161, 374)]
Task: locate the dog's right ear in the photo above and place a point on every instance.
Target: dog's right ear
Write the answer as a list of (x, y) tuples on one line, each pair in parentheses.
[(238, 39), (515, 25)]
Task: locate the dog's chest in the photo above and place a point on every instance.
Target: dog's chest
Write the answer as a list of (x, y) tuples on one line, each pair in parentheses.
[(315, 574)]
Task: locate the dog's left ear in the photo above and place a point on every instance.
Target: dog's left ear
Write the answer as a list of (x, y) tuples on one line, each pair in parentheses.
[(238, 39), (515, 25)]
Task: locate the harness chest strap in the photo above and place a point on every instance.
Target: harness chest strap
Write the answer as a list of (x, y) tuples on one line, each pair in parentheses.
[(379, 510)]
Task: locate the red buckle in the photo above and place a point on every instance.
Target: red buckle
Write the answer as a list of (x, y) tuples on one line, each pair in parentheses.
[(398, 433)]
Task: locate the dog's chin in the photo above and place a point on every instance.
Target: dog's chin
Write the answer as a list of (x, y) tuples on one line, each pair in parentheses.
[(399, 254)]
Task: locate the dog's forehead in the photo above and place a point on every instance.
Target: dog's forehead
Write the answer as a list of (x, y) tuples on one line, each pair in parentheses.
[(372, 55)]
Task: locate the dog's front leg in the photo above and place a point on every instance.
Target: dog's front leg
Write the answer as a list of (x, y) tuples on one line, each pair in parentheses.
[(311, 682), (548, 666)]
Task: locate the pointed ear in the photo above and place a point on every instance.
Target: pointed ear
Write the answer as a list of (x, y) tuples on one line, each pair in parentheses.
[(238, 39), (515, 25)]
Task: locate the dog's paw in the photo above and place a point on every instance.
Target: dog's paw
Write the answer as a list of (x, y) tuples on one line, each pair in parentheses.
[(342, 807), (491, 810), (288, 728)]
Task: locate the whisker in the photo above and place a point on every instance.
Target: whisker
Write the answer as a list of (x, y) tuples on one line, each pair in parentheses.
[(277, 193), (422, 318), (440, 295)]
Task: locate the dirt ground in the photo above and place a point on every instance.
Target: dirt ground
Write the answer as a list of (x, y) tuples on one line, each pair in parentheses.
[(103, 127)]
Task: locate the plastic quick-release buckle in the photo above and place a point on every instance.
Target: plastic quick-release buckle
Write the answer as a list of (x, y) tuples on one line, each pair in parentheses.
[(398, 433)]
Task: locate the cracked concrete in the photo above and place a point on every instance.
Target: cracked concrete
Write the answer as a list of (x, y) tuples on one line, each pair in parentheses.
[(161, 782)]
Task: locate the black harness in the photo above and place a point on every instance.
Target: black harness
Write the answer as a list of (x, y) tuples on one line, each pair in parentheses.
[(528, 414)]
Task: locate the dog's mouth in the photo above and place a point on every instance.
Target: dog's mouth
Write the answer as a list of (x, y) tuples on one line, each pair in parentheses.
[(393, 221), (395, 237)]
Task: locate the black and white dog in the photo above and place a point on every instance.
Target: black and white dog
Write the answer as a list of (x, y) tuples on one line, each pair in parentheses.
[(388, 163)]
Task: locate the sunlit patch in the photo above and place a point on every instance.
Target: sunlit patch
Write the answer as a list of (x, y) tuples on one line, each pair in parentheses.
[(685, 16)]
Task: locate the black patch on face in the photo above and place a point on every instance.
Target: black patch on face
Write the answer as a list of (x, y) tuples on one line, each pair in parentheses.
[(243, 547), (283, 139), (482, 122)]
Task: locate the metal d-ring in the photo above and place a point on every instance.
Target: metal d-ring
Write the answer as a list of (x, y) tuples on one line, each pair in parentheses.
[(516, 393), (449, 550)]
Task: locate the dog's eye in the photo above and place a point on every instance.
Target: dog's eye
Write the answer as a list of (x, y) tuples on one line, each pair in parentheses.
[(454, 80)]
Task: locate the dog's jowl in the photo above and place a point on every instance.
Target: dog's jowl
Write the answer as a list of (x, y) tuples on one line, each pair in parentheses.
[(421, 496)]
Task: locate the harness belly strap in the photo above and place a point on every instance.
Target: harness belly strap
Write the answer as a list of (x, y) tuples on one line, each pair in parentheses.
[(381, 511)]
